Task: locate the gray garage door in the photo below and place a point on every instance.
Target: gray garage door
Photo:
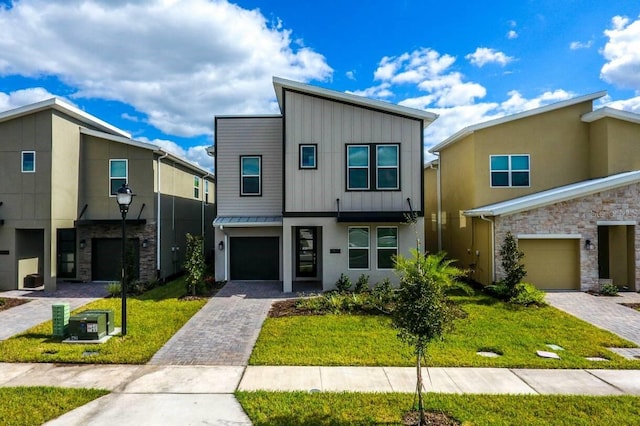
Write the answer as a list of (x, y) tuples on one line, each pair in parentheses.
[(106, 258), (255, 258)]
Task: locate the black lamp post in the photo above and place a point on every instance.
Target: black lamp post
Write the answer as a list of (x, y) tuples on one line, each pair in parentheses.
[(124, 196)]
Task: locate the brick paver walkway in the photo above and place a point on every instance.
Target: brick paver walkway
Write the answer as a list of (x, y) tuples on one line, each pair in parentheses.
[(224, 331), (601, 311), (21, 318)]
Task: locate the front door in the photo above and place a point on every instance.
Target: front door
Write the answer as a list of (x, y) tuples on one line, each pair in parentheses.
[(306, 252), (66, 253)]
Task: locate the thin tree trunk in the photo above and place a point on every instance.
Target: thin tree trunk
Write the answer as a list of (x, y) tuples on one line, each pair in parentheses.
[(423, 420)]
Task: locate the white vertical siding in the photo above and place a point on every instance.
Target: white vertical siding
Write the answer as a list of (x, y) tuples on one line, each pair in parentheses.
[(331, 125), (238, 136)]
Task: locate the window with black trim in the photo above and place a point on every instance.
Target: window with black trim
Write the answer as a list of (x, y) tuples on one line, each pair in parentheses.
[(386, 245), (358, 247), (251, 175), (373, 167), (118, 173), (510, 170), (28, 162), (308, 156), (206, 191), (196, 187)]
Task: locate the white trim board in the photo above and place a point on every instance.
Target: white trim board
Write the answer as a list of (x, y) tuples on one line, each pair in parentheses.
[(549, 236), (616, 222)]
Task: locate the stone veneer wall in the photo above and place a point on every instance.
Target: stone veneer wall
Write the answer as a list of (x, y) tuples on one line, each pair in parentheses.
[(147, 255), (578, 216)]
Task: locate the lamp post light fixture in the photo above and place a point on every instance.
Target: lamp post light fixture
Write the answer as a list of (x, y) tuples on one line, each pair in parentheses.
[(124, 196)]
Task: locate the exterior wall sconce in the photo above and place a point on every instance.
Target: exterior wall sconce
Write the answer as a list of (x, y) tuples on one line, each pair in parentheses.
[(145, 243), (83, 244), (221, 245), (588, 245)]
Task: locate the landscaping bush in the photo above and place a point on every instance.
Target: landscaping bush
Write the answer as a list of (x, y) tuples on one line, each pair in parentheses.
[(114, 289), (362, 284), (343, 284), (499, 290), (194, 265), (511, 257), (526, 294), (609, 289)]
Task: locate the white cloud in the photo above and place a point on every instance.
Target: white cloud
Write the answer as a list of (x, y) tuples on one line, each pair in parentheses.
[(351, 75), (24, 97), (194, 154), (512, 34), (622, 53), (631, 104), (484, 55), (575, 45), (179, 63), (378, 92)]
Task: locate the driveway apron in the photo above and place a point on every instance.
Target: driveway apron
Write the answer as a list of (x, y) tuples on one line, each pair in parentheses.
[(601, 311), (225, 330)]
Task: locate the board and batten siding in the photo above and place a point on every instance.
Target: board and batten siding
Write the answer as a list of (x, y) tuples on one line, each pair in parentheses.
[(332, 125), (239, 136)]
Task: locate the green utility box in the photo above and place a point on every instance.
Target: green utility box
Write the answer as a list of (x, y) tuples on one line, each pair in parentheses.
[(88, 326), (60, 320), (108, 313)]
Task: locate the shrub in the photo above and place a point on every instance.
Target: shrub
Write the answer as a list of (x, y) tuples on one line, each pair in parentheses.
[(608, 289), (362, 284), (343, 284), (114, 289), (499, 290), (382, 296), (511, 256), (195, 265), (526, 294)]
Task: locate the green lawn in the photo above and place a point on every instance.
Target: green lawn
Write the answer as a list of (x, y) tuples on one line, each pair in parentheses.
[(514, 332), (151, 320), (23, 406), (301, 408)]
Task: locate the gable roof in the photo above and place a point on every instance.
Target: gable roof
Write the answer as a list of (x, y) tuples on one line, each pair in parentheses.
[(280, 83), (610, 113), (66, 108), (507, 118), (556, 195)]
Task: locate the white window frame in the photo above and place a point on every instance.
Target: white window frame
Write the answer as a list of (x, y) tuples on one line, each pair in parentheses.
[(367, 248), (378, 248), (509, 170), (126, 173), (315, 156), (259, 176), (397, 167), (367, 167), (206, 191), (196, 187), (22, 161)]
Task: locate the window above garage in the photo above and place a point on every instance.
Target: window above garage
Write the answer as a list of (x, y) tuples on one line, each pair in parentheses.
[(510, 170)]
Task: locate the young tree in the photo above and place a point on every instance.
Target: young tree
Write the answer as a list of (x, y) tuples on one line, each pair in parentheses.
[(194, 263), (423, 312), (514, 271)]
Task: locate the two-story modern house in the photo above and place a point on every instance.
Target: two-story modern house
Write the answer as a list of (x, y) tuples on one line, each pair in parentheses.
[(322, 189), (59, 170), (562, 178)]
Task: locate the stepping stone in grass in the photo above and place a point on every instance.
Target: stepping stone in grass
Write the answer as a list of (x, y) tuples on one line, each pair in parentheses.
[(555, 347), (595, 358), (488, 354), (545, 354)]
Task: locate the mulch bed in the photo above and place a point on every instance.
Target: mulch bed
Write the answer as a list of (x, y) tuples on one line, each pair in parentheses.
[(287, 308), (635, 306), (7, 303), (412, 418)]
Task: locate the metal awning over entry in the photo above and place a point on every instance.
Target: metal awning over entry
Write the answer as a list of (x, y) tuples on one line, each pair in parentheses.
[(247, 221)]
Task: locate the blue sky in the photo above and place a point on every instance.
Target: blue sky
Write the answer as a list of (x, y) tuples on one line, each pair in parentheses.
[(162, 69)]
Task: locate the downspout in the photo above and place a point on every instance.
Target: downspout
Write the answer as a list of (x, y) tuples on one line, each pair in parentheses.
[(493, 248), (438, 203), (158, 217)]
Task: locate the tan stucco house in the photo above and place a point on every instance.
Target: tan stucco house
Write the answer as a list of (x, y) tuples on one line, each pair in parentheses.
[(59, 170), (562, 178), (318, 190)]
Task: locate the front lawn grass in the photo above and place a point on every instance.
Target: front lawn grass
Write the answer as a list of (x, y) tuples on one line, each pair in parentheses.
[(490, 325), (302, 408), (35, 405), (152, 319)]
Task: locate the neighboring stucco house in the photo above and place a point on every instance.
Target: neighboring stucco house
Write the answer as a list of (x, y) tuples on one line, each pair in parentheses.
[(59, 170), (562, 178), (319, 190)]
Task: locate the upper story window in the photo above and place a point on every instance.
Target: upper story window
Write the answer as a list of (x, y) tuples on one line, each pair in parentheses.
[(28, 161), (358, 247), (373, 167), (118, 175), (308, 156), (509, 170), (196, 187), (251, 175), (206, 191)]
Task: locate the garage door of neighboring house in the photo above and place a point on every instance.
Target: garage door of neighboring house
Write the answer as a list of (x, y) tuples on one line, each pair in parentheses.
[(255, 258), (106, 258), (552, 264)]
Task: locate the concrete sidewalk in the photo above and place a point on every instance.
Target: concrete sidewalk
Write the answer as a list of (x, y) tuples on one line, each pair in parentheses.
[(152, 394)]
